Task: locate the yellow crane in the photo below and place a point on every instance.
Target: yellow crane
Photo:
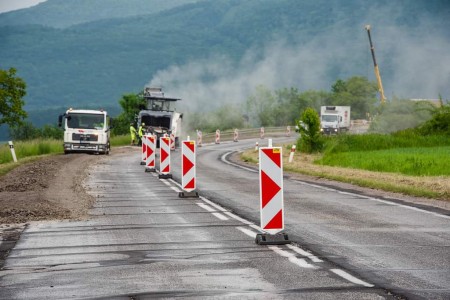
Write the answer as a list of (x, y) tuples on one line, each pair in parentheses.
[(377, 71)]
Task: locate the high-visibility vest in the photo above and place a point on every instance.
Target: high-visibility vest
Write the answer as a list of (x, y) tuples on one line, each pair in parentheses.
[(141, 131)]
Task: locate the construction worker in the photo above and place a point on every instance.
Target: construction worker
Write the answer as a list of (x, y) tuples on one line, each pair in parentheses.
[(141, 132), (133, 134)]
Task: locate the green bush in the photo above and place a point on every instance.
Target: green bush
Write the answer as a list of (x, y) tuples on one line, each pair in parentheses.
[(310, 138)]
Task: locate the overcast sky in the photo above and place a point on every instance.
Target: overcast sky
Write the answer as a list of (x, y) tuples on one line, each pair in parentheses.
[(8, 5)]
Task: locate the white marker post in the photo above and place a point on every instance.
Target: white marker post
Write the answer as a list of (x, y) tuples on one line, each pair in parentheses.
[(291, 155), (13, 152)]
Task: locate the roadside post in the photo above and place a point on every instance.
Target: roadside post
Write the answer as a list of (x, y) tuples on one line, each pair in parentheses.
[(291, 155), (288, 131), (144, 149), (172, 142), (236, 135), (271, 197), (256, 146), (13, 152), (164, 158), (188, 170), (218, 136), (151, 150), (199, 138), (261, 133)]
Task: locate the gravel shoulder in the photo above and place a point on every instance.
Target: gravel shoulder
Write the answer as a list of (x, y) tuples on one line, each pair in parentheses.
[(50, 188)]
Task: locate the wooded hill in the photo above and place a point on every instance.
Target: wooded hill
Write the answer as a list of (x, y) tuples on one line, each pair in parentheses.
[(87, 53)]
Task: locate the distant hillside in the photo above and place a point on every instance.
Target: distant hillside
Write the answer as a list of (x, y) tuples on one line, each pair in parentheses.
[(65, 13), (231, 45)]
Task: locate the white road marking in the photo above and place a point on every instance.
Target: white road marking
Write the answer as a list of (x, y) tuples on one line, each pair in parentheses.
[(256, 227), (292, 258), (248, 232), (350, 278), (238, 218), (220, 216), (175, 189), (236, 165), (305, 253), (213, 204), (206, 207)]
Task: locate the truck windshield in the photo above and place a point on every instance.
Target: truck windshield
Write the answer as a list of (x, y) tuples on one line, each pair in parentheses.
[(329, 118), (85, 121)]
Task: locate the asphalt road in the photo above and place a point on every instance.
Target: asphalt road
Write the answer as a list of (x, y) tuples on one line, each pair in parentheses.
[(143, 241)]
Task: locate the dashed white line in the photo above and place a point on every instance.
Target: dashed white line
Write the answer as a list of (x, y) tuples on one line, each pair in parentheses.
[(213, 204), (304, 253), (206, 207), (175, 189), (238, 218), (350, 278), (248, 232), (220, 216), (292, 258)]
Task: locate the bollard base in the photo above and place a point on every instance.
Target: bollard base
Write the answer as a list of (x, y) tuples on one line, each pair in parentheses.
[(185, 194), (142, 163), (150, 170), (272, 239), (165, 176)]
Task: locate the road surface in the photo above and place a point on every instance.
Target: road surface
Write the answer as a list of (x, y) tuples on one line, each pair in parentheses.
[(143, 241)]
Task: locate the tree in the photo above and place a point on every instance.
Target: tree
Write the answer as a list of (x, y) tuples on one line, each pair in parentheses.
[(357, 92), (131, 105), (12, 90), (310, 138)]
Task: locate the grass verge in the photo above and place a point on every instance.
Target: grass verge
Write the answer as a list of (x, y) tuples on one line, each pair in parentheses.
[(435, 187)]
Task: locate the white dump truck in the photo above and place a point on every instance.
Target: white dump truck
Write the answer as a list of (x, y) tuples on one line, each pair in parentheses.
[(86, 131), (334, 119), (159, 116)]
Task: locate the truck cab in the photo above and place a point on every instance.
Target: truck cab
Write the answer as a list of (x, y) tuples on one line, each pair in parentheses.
[(159, 116), (86, 131)]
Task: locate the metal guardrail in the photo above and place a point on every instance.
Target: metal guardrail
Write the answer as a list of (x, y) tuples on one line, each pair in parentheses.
[(245, 133)]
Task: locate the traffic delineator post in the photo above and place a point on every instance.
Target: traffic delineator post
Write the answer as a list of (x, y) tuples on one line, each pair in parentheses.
[(144, 149), (188, 170), (13, 152), (236, 135), (151, 154), (288, 131), (256, 146), (164, 158), (217, 136), (271, 197), (172, 141), (291, 155), (261, 132), (199, 138)]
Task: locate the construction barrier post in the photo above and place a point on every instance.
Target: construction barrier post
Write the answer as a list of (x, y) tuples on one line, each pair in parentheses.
[(291, 155), (13, 152), (217, 136), (288, 131), (199, 138), (188, 170), (164, 158), (172, 141), (271, 197), (261, 133), (236, 135), (151, 151), (144, 150)]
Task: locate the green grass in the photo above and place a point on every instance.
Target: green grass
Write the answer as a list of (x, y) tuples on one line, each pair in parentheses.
[(120, 140), (30, 148), (418, 161), (370, 142)]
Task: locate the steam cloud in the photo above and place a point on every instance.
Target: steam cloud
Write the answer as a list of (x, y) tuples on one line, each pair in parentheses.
[(414, 63)]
